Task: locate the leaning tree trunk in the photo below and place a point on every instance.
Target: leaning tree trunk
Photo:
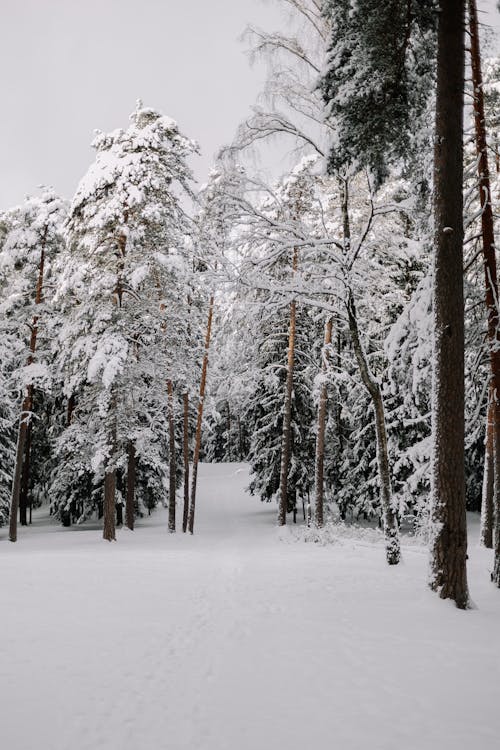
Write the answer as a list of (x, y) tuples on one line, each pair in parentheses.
[(185, 453), (27, 405), (320, 440), (172, 458), (448, 573), (199, 419), (286, 440), (390, 523), (490, 273), (130, 496)]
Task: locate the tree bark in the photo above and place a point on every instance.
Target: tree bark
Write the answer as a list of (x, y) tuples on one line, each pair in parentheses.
[(287, 408), (27, 405), (491, 284), (70, 409), (109, 529), (172, 459), (487, 510), (130, 496), (448, 574), (199, 419), (25, 478), (185, 452), (108, 532), (389, 519), (320, 440)]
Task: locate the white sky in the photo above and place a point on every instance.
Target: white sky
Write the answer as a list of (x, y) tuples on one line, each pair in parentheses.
[(69, 66)]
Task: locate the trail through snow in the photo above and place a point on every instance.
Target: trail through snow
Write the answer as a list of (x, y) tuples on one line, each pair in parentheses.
[(233, 640)]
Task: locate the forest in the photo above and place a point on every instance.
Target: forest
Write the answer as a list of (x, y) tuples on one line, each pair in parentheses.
[(250, 429), (336, 328)]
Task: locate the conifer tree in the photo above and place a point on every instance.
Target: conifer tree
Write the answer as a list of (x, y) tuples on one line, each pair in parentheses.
[(124, 294), (32, 240)]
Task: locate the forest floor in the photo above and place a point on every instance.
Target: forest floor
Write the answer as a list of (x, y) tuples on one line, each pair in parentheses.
[(233, 639)]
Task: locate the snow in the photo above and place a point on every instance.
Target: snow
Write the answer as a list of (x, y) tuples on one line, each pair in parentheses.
[(232, 639)]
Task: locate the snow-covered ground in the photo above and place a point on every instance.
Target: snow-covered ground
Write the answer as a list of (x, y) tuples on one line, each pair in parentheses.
[(234, 640)]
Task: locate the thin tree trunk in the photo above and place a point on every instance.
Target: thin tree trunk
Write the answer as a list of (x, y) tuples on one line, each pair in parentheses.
[(25, 478), (448, 573), (240, 441), (110, 480), (109, 505), (199, 419), (185, 451), (320, 440), (27, 405), (229, 452), (172, 459), (130, 496), (487, 509), (70, 409), (390, 523), (491, 283), (287, 410)]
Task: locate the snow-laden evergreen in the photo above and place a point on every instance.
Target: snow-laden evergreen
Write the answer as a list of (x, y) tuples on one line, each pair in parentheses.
[(123, 292)]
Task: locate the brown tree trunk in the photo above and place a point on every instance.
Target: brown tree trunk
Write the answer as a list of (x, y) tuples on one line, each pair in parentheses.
[(172, 459), (70, 409), (130, 496), (199, 419), (108, 532), (490, 274), (320, 440), (27, 405), (185, 453), (487, 509), (389, 519), (448, 574), (287, 410)]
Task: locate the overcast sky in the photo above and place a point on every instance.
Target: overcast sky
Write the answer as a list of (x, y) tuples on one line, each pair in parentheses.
[(69, 66)]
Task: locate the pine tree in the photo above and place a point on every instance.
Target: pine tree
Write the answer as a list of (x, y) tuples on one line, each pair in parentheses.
[(32, 239), (124, 293), (449, 546)]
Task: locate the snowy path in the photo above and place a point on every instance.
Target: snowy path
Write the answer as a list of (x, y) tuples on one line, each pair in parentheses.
[(231, 639)]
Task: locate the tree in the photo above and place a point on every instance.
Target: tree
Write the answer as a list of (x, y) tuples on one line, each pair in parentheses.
[(124, 292), (374, 61), (449, 545), (32, 240)]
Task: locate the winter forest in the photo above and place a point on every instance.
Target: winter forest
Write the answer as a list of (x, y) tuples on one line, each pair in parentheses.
[(287, 386)]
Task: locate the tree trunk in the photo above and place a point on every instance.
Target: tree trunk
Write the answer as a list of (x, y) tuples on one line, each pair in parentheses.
[(110, 479), (390, 523), (25, 478), (27, 405), (491, 283), (487, 507), (199, 419), (109, 505), (130, 496), (287, 409), (448, 574), (240, 441), (229, 452), (70, 409), (185, 452), (320, 440), (172, 459)]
